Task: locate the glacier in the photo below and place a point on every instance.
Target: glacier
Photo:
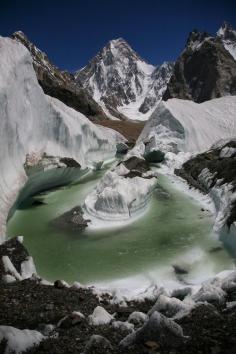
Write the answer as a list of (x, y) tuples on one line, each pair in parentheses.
[(35, 124), (185, 126), (179, 128)]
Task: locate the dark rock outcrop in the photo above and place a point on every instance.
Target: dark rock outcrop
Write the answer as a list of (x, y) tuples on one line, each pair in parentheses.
[(16, 252), (122, 148), (71, 220), (60, 84), (154, 156), (135, 163), (204, 70), (221, 163)]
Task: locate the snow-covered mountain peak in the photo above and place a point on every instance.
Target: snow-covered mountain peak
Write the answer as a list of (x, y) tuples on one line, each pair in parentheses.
[(119, 80), (227, 32)]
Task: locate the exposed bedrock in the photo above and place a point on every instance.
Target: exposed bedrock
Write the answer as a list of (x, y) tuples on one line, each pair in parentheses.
[(60, 84), (214, 172), (72, 220), (204, 70)]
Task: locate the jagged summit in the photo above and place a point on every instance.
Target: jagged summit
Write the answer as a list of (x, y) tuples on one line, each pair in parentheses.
[(226, 31), (227, 34), (206, 68), (120, 81), (196, 37)]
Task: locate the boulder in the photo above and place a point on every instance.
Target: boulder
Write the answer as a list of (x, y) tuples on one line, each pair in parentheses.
[(97, 344), (154, 156), (100, 317), (137, 318), (72, 220), (159, 329), (122, 148)]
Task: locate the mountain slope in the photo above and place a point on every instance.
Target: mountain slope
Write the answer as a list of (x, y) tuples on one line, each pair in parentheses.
[(60, 84), (122, 82), (204, 70)]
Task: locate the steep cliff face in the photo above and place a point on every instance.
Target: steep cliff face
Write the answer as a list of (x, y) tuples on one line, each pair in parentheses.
[(60, 84), (204, 70), (34, 124), (122, 82)]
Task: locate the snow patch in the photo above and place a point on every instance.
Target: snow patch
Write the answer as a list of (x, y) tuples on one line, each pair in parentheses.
[(18, 341)]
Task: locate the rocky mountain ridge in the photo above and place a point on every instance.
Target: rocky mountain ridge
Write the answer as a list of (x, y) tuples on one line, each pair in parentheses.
[(206, 68), (60, 84)]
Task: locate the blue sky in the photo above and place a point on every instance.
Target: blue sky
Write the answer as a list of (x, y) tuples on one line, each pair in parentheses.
[(72, 32)]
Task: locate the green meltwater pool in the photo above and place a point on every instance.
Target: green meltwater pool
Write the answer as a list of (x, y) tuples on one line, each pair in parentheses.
[(174, 231)]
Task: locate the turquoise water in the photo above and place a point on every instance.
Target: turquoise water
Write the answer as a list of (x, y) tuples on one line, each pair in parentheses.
[(174, 230)]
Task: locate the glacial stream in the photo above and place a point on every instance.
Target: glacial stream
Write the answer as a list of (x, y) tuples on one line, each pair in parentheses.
[(174, 231)]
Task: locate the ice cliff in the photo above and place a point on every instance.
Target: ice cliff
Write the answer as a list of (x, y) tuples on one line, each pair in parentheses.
[(33, 123), (180, 125)]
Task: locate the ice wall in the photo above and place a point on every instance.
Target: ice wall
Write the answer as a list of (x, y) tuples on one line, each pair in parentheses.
[(31, 122), (180, 125)]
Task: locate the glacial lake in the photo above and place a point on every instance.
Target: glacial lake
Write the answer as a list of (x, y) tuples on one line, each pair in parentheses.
[(174, 230)]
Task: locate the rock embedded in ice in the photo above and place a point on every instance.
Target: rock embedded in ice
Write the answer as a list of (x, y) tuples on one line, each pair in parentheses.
[(181, 293), (122, 148), (170, 307), (210, 293), (72, 220), (158, 328), (136, 163), (100, 317), (123, 326), (137, 318), (154, 156)]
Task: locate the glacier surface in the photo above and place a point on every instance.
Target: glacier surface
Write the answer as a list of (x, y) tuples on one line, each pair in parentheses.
[(185, 126)]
